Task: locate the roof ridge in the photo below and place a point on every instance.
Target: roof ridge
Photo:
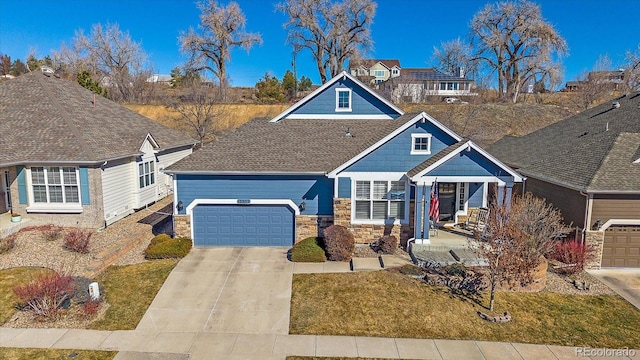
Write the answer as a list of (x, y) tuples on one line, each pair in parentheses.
[(72, 127)]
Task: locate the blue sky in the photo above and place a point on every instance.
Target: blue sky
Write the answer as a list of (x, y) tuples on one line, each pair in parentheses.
[(406, 30)]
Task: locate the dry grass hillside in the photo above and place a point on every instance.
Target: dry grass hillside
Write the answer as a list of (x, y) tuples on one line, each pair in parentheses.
[(487, 123), (483, 123), (231, 115)]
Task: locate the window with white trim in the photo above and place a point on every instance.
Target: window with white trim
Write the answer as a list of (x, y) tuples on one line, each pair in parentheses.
[(146, 173), (420, 144), (378, 73), (55, 184), (380, 200), (343, 99)]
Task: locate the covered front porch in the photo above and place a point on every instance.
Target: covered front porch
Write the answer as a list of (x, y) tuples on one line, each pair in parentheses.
[(450, 184)]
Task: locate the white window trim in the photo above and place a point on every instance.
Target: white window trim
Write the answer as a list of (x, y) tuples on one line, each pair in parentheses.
[(338, 91), (152, 179), (413, 143), (407, 199), (62, 208)]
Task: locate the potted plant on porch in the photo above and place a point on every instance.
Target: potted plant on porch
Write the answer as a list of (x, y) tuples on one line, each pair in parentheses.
[(15, 217)]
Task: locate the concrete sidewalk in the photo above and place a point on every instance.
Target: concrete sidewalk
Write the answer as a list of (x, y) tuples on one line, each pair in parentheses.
[(136, 344), (233, 303)]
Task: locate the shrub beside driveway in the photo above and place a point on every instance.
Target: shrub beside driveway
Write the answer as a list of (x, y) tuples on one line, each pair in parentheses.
[(387, 304)]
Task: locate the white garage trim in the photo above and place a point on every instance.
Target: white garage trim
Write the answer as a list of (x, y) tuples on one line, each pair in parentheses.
[(246, 202), (612, 222)]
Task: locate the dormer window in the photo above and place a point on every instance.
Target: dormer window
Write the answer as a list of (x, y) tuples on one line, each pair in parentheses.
[(420, 144), (343, 99)]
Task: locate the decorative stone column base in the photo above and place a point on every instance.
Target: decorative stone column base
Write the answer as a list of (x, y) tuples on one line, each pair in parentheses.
[(595, 240), (182, 226), (311, 225)]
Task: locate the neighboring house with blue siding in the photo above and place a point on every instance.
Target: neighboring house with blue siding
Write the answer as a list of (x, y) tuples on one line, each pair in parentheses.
[(342, 155), (72, 158)]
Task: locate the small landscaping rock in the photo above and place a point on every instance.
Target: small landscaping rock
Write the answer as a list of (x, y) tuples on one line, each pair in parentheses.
[(505, 317)]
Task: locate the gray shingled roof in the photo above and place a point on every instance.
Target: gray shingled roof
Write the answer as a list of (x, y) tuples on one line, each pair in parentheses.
[(289, 146), (592, 150), (49, 119)]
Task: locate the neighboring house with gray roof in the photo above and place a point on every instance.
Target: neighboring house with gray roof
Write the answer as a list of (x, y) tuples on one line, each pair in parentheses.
[(342, 155), (71, 157), (588, 166)]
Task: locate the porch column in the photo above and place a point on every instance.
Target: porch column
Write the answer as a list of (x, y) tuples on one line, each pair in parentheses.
[(509, 193), (417, 217), (421, 216)]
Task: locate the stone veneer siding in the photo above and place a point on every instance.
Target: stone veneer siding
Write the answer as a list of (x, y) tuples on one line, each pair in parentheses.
[(311, 225), (595, 239), (182, 226), (368, 233)]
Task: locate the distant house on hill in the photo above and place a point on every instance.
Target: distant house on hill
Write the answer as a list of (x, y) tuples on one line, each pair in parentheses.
[(416, 85), (372, 71), (74, 158), (610, 80), (160, 79)]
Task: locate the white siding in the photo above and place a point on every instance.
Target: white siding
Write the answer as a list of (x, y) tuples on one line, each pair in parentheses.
[(165, 159), (118, 189), (148, 194)]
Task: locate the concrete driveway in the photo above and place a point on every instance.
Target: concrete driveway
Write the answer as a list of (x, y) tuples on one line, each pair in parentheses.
[(625, 282), (224, 290)]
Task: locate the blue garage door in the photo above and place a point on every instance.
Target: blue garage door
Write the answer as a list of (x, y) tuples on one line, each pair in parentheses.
[(243, 225)]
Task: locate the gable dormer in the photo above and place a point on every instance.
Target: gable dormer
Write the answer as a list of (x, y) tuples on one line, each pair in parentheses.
[(343, 97)]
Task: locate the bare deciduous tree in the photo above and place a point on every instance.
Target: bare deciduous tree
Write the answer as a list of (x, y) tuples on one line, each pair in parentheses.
[(516, 237), (594, 85), (115, 60), (221, 29), (199, 109), (454, 55), (632, 70), (333, 31), (515, 41)]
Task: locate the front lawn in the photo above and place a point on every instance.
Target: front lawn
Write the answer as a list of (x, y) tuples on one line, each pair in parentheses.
[(52, 354), (388, 304), (130, 290), (9, 279)]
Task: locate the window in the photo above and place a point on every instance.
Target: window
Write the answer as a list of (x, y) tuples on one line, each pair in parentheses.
[(378, 73), (146, 173), (343, 99), (420, 144), (55, 184), (443, 86), (380, 200), (394, 71), (461, 196)]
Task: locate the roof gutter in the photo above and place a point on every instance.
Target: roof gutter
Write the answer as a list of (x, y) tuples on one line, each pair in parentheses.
[(67, 162), (248, 173)]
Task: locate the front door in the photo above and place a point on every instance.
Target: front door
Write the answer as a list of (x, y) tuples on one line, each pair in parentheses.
[(447, 198), (5, 203)]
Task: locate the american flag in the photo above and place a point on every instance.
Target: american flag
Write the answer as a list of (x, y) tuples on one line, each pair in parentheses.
[(434, 207)]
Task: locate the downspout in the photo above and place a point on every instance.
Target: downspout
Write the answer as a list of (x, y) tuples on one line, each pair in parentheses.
[(586, 216)]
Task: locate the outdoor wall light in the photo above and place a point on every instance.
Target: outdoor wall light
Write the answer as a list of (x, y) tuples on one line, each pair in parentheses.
[(597, 225), (180, 205), (302, 206)]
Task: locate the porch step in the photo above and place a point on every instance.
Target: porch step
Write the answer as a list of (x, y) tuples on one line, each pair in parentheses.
[(426, 255), (107, 257)]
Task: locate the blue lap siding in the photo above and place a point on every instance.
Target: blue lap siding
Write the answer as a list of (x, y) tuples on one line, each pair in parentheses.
[(362, 102), (315, 191), (395, 155)]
